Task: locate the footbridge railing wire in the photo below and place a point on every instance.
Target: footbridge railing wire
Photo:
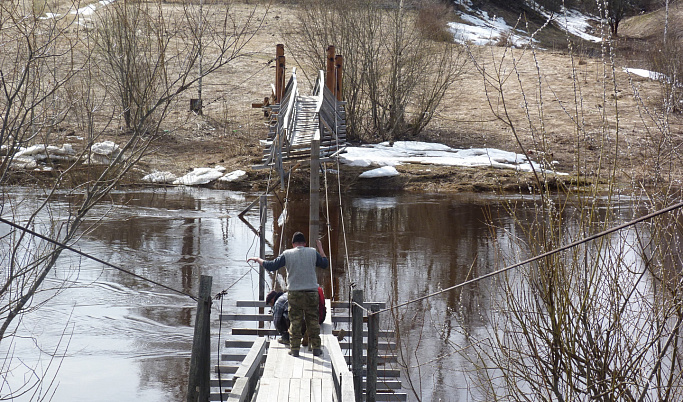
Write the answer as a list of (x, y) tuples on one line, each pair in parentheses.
[(373, 312), (86, 255), (535, 258)]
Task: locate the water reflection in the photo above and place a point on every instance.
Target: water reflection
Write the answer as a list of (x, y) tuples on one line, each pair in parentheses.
[(399, 248)]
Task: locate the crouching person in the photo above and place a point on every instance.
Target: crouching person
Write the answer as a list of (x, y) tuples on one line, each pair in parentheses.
[(278, 301)]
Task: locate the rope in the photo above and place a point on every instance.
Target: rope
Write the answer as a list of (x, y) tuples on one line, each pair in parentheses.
[(286, 209), (341, 215), (538, 257), (218, 349), (67, 247), (329, 235)]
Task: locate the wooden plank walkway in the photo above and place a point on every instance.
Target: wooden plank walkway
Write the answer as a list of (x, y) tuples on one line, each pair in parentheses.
[(306, 122), (303, 378)]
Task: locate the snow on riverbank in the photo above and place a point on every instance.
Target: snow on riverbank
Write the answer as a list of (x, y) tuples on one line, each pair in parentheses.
[(36, 156), (380, 159), (425, 153)]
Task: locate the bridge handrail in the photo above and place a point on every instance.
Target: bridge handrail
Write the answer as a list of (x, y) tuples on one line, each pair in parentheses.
[(343, 379), (247, 374), (288, 102), (326, 104)]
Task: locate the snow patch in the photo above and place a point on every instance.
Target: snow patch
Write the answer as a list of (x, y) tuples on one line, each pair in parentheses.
[(481, 29), (385, 171), (576, 23), (160, 177), (387, 154), (102, 153), (653, 75), (41, 152), (233, 176), (199, 176)]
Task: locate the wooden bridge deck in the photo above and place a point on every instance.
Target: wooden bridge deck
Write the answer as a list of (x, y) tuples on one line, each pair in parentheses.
[(299, 121), (303, 378), (268, 372)]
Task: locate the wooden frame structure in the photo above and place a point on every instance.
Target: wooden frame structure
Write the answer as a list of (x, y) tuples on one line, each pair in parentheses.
[(345, 384)]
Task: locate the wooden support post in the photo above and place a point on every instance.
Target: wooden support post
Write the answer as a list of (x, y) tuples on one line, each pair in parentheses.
[(373, 343), (314, 209), (200, 362), (329, 72), (281, 67), (339, 70), (279, 72), (357, 343), (263, 214)]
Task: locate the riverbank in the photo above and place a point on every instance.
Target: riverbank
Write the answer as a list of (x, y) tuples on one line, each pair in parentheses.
[(581, 112)]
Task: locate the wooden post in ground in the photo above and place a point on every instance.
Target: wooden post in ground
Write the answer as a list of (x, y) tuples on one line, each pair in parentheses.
[(339, 70), (198, 388), (373, 343), (357, 343), (329, 72), (263, 214), (279, 72)]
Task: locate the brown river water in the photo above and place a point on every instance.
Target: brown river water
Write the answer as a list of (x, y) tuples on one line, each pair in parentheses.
[(124, 339)]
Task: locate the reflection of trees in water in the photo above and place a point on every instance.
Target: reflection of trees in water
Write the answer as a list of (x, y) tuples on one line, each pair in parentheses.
[(189, 251), (172, 372), (407, 247)]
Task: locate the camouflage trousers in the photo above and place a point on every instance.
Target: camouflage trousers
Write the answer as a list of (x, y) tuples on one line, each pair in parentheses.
[(303, 306)]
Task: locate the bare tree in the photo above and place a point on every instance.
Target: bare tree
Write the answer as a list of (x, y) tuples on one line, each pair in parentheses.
[(46, 75), (603, 319), (394, 77)]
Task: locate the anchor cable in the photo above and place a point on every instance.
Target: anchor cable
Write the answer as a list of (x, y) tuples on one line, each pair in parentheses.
[(67, 247), (329, 231), (532, 259)]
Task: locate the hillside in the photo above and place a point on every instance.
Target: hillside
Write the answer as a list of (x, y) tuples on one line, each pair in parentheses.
[(650, 26)]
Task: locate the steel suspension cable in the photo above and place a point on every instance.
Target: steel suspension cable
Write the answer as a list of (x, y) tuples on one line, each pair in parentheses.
[(329, 232), (67, 247), (341, 215), (532, 259), (284, 225)]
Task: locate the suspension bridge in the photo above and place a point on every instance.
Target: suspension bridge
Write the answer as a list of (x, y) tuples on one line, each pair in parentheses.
[(304, 131)]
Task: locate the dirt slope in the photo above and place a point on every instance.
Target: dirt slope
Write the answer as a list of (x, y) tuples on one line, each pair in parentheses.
[(650, 26)]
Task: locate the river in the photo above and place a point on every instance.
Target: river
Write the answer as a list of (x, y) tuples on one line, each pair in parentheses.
[(119, 338)]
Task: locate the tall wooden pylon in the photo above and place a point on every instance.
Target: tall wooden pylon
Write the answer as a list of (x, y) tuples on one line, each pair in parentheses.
[(329, 72), (338, 74), (279, 73)]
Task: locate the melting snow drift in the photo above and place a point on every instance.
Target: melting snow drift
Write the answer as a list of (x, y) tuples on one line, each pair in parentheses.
[(426, 153)]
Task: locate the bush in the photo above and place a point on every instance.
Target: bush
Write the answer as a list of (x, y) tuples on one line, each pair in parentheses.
[(432, 22)]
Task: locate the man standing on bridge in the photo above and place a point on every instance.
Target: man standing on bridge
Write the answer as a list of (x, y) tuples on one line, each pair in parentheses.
[(300, 262)]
